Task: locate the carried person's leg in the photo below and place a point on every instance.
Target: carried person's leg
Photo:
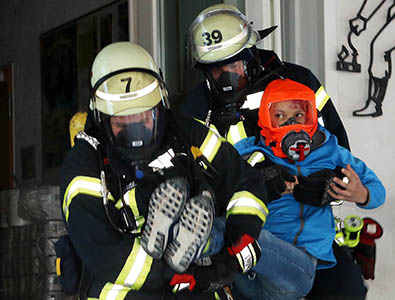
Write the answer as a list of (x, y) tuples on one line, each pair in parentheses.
[(283, 271), (342, 282)]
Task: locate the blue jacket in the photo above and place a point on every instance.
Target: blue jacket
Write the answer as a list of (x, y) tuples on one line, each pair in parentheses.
[(310, 227)]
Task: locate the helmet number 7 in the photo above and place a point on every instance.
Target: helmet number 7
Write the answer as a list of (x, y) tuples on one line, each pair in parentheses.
[(129, 81)]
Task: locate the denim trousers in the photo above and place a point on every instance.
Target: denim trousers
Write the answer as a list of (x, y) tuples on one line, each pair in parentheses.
[(283, 271)]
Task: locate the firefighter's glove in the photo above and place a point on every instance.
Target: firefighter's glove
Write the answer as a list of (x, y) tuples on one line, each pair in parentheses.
[(220, 273), (222, 268), (274, 176), (365, 251), (313, 189), (246, 253)]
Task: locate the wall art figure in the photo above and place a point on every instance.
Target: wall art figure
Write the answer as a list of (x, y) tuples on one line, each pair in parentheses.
[(380, 53)]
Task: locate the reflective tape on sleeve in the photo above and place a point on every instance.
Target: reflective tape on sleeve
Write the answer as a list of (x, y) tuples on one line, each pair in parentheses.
[(321, 97), (236, 133), (210, 145), (255, 158), (81, 185), (245, 203)]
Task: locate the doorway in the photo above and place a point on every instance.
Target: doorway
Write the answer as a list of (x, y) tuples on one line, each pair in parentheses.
[(6, 128)]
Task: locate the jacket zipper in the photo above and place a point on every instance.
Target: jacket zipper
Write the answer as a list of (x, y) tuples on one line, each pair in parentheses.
[(300, 213)]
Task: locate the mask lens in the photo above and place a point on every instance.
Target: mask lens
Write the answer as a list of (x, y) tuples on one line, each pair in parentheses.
[(137, 130), (291, 112)]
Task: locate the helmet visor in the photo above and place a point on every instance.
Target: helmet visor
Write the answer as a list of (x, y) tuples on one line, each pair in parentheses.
[(291, 112), (136, 130), (217, 35)]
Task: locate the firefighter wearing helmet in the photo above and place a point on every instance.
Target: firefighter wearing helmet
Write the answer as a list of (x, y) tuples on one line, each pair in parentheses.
[(222, 43), (142, 185)]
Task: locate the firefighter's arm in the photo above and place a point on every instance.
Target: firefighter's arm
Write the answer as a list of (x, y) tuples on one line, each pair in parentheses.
[(108, 254)]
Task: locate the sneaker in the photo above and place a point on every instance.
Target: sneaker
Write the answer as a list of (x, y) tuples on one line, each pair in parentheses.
[(164, 209), (194, 229)]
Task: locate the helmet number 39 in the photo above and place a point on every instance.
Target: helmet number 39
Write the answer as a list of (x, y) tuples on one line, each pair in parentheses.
[(215, 36)]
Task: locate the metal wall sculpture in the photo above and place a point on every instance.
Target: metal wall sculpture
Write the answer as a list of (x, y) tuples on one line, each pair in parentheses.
[(347, 58)]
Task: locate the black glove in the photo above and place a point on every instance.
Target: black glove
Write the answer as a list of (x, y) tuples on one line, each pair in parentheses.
[(365, 251), (274, 176), (221, 272), (313, 189)]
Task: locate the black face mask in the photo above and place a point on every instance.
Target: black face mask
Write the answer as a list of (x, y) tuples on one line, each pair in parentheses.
[(227, 98), (227, 82), (134, 136)]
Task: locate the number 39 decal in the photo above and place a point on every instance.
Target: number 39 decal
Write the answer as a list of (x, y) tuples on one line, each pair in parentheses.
[(215, 37)]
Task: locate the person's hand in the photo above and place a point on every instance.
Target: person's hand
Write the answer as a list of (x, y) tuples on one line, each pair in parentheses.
[(290, 185), (220, 273), (353, 191)]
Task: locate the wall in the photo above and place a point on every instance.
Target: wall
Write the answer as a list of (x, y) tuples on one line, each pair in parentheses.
[(21, 24), (372, 139)]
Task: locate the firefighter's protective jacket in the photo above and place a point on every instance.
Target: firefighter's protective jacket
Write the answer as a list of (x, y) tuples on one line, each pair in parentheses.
[(196, 104), (120, 268)]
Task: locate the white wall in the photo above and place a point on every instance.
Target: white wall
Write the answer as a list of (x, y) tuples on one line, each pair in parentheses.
[(372, 139), (313, 33)]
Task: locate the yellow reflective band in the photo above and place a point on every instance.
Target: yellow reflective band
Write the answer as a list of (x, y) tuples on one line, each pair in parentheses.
[(245, 203), (137, 267), (321, 97), (236, 133), (255, 158), (113, 292), (217, 297), (81, 185), (58, 270), (210, 145), (130, 199)]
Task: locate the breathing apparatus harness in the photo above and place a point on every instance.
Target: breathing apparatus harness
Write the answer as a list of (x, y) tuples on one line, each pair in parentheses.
[(197, 169)]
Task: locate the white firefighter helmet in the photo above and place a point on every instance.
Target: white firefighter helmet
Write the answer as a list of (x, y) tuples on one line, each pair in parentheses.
[(219, 32), (129, 100), (125, 80)]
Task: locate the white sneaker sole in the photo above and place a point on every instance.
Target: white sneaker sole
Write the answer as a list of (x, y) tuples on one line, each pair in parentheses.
[(194, 229), (165, 206)]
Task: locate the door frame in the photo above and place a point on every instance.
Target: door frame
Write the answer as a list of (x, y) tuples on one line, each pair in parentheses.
[(6, 75)]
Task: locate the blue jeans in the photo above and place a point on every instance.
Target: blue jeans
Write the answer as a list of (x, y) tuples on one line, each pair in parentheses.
[(283, 272)]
